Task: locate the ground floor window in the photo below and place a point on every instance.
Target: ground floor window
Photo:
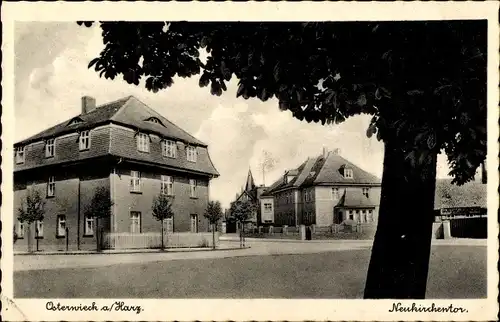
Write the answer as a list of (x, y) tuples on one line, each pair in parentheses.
[(20, 229), (169, 224), (39, 228), (61, 225), (89, 226), (194, 223), (135, 222)]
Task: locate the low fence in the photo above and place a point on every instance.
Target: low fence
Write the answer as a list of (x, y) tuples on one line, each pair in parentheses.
[(153, 240), (336, 231), (469, 227)]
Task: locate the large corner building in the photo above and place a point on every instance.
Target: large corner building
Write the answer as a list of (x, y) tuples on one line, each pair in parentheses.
[(124, 146)]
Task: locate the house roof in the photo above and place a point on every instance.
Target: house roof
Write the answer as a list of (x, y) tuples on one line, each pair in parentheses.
[(448, 195), (132, 115), (355, 199), (127, 111), (322, 170)]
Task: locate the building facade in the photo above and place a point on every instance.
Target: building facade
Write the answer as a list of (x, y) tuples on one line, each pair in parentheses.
[(125, 147), (252, 193), (323, 191)]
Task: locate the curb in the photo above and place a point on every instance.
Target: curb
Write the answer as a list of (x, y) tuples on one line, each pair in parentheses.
[(139, 251)]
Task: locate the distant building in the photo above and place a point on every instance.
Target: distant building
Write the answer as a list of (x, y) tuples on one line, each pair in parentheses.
[(251, 192), (323, 190), (126, 147), (465, 201)]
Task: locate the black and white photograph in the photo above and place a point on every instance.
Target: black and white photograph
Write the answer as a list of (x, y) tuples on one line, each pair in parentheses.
[(262, 165)]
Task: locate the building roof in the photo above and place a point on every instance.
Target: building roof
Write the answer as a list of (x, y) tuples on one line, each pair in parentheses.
[(322, 170), (471, 194), (250, 184), (131, 115), (355, 199), (127, 111)]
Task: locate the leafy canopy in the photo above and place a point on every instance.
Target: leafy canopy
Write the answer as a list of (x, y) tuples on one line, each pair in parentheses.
[(100, 205), (242, 210), (162, 207), (213, 212), (424, 82), (32, 208)]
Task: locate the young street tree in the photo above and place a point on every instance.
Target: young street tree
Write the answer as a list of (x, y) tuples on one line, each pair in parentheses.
[(213, 213), (162, 209), (30, 211), (241, 211), (423, 83), (99, 208)]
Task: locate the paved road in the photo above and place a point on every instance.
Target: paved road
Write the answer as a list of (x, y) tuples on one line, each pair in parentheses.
[(320, 271), (257, 247)]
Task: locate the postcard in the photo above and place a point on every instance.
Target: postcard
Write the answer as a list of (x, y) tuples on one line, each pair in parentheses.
[(250, 161)]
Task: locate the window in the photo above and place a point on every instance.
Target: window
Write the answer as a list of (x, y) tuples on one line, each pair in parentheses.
[(135, 222), (306, 196), (84, 140), (143, 142), (39, 228), (194, 223), (351, 214), (135, 181), (169, 149), (348, 173), (370, 216), (20, 154), (49, 148), (192, 185), (51, 187), (167, 185), (366, 192), (169, 224), (20, 229), (61, 226), (191, 153), (335, 193), (89, 226), (154, 120), (268, 207)]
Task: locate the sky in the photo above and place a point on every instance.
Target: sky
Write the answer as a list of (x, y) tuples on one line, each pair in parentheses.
[(51, 76)]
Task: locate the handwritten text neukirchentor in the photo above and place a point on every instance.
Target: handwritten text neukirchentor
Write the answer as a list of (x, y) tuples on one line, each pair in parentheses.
[(112, 307), (417, 308)]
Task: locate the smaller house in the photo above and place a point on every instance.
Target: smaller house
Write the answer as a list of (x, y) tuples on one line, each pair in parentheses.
[(466, 201)]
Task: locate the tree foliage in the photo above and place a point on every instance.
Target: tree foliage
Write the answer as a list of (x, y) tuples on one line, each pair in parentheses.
[(213, 212), (242, 210), (101, 204), (162, 207), (32, 208), (423, 82)]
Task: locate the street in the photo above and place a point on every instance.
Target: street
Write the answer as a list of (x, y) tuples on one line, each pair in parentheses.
[(266, 270)]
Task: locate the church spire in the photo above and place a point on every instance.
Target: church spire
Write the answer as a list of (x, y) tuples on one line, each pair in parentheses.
[(250, 185)]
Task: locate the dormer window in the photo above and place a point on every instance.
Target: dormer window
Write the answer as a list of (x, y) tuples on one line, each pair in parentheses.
[(50, 148), (169, 149), (348, 173), (20, 154), (154, 120), (142, 142), (75, 121), (191, 153)]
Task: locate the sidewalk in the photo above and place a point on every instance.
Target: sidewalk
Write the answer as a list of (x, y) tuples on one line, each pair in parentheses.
[(123, 251), (364, 242)]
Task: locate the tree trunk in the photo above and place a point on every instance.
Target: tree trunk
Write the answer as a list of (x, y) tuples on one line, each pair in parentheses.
[(162, 232), (400, 255), (97, 235), (213, 236), (29, 238)]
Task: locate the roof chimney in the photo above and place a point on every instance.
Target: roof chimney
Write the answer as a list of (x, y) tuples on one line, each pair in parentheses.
[(88, 104), (325, 152), (336, 151)]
